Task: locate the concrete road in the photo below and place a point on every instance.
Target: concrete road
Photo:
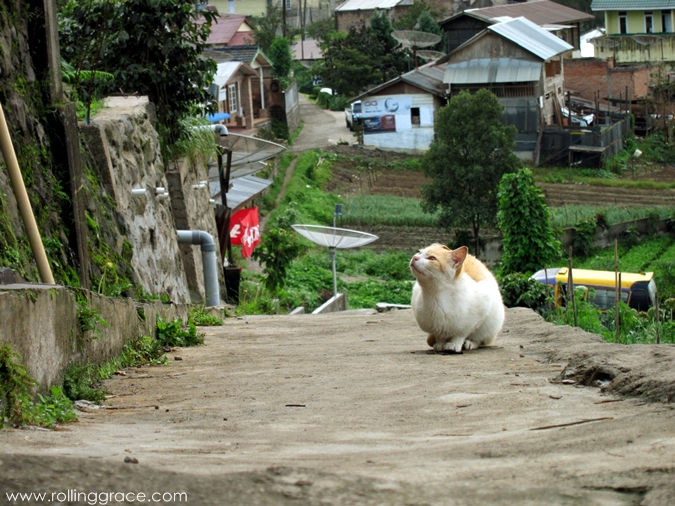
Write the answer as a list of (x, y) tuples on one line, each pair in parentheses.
[(352, 408), (322, 127)]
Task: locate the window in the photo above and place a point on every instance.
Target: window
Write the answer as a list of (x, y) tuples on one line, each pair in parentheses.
[(666, 21), (623, 22), (649, 22), (415, 115), (233, 97)]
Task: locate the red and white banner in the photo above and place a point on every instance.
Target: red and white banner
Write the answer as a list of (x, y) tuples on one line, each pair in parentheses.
[(245, 231)]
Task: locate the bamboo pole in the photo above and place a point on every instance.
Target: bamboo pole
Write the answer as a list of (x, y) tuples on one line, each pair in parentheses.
[(23, 203), (617, 292), (658, 318)]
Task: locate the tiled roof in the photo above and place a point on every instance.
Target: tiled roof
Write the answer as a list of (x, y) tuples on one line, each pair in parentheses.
[(224, 28), (531, 37), (631, 5), (540, 12), (239, 53), (242, 39)]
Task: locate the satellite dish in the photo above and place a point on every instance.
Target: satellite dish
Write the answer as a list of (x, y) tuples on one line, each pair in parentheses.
[(246, 149), (429, 55), (647, 40), (334, 238), (604, 42), (416, 40)]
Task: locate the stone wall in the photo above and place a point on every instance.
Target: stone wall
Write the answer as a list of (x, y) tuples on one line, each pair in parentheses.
[(125, 150)]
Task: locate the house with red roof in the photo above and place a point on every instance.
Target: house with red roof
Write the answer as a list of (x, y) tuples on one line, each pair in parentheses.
[(231, 30)]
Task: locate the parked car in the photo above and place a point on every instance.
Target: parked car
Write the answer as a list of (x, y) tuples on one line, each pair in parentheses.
[(353, 115)]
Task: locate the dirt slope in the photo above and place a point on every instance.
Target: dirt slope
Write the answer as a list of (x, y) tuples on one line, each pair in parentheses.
[(351, 408)]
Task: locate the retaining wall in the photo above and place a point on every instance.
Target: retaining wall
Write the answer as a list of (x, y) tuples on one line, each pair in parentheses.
[(40, 323)]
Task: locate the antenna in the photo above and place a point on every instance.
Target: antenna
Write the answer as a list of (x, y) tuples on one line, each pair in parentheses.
[(334, 238), (416, 40)]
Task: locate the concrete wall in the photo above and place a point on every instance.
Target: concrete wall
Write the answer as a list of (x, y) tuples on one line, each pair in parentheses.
[(40, 324), (292, 104)]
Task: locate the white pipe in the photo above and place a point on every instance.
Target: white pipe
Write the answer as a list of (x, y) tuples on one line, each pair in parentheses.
[(208, 246)]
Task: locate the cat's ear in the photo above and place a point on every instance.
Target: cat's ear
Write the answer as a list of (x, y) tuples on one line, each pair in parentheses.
[(459, 255)]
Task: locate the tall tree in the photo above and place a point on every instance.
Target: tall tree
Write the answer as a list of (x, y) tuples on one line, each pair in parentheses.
[(360, 58), (470, 153), (529, 241), (282, 59), (151, 47), (427, 23)]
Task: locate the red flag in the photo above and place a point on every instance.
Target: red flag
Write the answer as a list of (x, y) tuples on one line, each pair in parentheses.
[(244, 230)]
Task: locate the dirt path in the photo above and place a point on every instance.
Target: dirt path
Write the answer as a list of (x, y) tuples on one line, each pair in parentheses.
[(351, 408)]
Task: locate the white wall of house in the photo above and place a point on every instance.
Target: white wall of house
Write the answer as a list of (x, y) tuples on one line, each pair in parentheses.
[(403, 122)]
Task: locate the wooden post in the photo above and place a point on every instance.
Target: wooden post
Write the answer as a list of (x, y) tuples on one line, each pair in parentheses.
[(658, 317), (617, 291), (570, 288)]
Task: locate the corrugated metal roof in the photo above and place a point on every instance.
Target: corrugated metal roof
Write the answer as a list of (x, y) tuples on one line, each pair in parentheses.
[(540, 12), (227, 69), (243, 189), (308, 49), (531, 37), (631, 5), (428, 78), (362, 5), (492, 70)]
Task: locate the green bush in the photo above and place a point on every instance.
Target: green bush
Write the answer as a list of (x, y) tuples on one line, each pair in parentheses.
[(174, 333), (520, 290)]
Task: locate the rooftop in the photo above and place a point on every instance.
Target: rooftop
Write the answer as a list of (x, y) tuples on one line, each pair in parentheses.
[(531, 37), (540, 12)]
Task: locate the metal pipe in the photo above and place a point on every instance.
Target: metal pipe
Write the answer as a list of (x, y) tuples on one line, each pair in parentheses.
[(23, 203), (331, 254), (208, 247)]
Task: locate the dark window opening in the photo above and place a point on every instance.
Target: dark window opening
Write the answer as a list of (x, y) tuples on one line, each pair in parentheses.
[(415, 115), (623, 22)]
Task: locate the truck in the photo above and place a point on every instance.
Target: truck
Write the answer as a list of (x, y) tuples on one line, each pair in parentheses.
[(353, 115)]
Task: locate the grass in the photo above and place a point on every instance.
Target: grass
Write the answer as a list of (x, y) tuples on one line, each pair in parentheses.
[(568, 216), (371, 210)]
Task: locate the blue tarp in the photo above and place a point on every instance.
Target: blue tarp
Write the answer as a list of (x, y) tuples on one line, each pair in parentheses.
[(219, 116)]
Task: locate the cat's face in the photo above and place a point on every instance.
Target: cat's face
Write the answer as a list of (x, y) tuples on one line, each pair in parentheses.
[(437, 262)]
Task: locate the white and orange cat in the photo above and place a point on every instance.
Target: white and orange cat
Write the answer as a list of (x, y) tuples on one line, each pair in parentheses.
[(456, 299)]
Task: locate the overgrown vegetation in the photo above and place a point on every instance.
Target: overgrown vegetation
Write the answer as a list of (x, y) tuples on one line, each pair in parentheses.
[(83, 381), (529, 241), (198, 317), (174, 333), (18, 405)]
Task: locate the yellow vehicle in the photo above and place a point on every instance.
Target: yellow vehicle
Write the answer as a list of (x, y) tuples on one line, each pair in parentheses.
[(638, 290)]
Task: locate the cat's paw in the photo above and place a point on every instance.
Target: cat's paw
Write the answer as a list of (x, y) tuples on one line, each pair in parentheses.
[(452, 347), (469, 345)]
